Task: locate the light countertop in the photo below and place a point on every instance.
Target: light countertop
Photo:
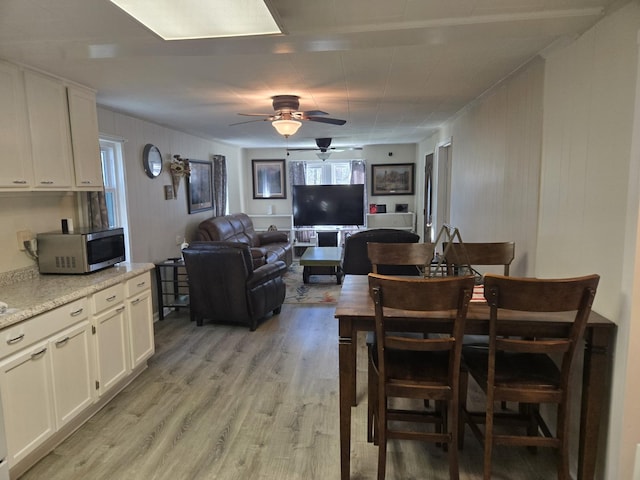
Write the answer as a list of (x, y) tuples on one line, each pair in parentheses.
[(30, 297)]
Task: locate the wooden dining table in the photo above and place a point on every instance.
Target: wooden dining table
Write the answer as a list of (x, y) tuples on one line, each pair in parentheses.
[(355, 312)]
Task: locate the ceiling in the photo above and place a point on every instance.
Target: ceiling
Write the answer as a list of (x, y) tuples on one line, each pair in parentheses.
[(393, 69)]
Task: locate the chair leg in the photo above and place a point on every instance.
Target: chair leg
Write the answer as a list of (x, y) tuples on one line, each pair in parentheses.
[(454, 417), (372, 400), (488, 439), (382, 436), (563, 434), (462, 405)]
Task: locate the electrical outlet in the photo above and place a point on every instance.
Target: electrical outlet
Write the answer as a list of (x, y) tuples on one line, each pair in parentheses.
[(24, 236)]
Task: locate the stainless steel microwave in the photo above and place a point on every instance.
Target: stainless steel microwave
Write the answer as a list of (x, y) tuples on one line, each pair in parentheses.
[(81, 251)]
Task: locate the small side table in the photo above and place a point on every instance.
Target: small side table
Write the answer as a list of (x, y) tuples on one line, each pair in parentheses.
[(173, 285)]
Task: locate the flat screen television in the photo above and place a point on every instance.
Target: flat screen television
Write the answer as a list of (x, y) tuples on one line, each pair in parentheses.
[(335, 205)]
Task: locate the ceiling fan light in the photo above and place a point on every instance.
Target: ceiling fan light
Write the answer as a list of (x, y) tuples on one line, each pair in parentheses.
[(323, 155), (286, 128)]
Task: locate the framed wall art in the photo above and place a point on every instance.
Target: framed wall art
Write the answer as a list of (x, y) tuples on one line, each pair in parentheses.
[(269, 179), (200, 186), (392, 179)]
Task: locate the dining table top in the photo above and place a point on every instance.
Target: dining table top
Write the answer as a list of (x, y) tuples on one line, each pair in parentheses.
[(356, 303)]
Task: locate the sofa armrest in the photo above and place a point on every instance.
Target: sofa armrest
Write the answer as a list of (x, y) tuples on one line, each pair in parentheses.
[(273, 237), (266, 272)]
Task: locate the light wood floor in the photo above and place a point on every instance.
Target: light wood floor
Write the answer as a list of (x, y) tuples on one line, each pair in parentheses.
[(224, 403)]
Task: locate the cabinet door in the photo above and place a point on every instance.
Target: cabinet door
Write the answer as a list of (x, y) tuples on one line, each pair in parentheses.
[(25, 383), (83, 118), (141, 327), (73, 372), (15, 170), (49, 126), (111, 348)]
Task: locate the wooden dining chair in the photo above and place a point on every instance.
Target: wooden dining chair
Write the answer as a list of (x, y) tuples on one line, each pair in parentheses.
[(417, 255), (424, 368), (475, 254), (479, 254), (522, 370)]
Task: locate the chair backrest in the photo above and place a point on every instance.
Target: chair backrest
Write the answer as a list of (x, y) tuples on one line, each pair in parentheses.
[(218, 273), (542, 296), (416, 254), (355, 259), (420, 294), (480, 253)]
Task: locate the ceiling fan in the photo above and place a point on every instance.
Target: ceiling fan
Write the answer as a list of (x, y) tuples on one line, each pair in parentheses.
[(324, 148), (286, 118)]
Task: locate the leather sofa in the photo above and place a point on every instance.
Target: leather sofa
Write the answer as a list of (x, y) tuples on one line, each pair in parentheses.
[(355, 259), (225, 288), (266, 247)]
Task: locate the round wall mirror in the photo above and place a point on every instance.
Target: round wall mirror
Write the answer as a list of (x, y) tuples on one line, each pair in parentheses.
[(152, 160)]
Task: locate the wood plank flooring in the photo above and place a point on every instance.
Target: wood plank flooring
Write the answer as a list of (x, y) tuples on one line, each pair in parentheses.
[(220, 402)]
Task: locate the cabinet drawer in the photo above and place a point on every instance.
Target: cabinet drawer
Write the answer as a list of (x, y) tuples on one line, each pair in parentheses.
[(138, 284), (108, 297), (41, 326)]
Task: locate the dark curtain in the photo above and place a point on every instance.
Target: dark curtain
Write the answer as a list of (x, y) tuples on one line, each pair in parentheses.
[(359, 175), (219, 185), (97, 206), (297, 173)]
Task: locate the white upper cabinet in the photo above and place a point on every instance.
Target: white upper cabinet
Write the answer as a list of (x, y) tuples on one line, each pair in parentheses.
[(50, 135), (83, 118), (16, 168)]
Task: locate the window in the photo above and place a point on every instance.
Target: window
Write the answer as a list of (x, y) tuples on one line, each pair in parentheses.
[(328, 173), (114, 184)]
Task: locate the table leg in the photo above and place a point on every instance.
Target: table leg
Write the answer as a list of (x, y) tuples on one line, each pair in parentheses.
[(596, 370), (347, 368)]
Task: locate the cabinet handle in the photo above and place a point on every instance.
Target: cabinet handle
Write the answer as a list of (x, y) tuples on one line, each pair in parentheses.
[(39, 353), (86, 182), (141, 284), (11, 341), (60, 343), (75, 313), (46, 182), (111, 298), (120, 309), (135, 302), (20, 182)]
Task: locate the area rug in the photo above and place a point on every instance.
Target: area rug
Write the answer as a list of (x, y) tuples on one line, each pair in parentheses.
[(321, 289)]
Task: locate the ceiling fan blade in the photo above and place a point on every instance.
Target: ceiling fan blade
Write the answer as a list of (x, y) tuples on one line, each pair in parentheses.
[(256, 114), (250, 121), (312, 113), (332, 121)]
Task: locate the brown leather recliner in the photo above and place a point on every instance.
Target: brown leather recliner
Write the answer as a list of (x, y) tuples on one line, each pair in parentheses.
[(225, 288), (355, 260)]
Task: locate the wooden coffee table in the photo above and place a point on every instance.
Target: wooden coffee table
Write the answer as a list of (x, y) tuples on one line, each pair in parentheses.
[(322, 261)]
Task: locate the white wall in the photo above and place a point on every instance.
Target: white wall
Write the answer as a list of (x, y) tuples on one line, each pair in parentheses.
[(588, 213), (35, 211), (496, 163), (154, 222)]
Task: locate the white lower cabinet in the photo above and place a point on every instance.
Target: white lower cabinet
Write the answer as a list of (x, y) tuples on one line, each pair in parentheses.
[(27, 400), (111, 348), (60, 364), (140, 319), (72, 366)]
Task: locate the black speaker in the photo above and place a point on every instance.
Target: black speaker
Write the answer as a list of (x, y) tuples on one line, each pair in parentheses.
[(402, 207)]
